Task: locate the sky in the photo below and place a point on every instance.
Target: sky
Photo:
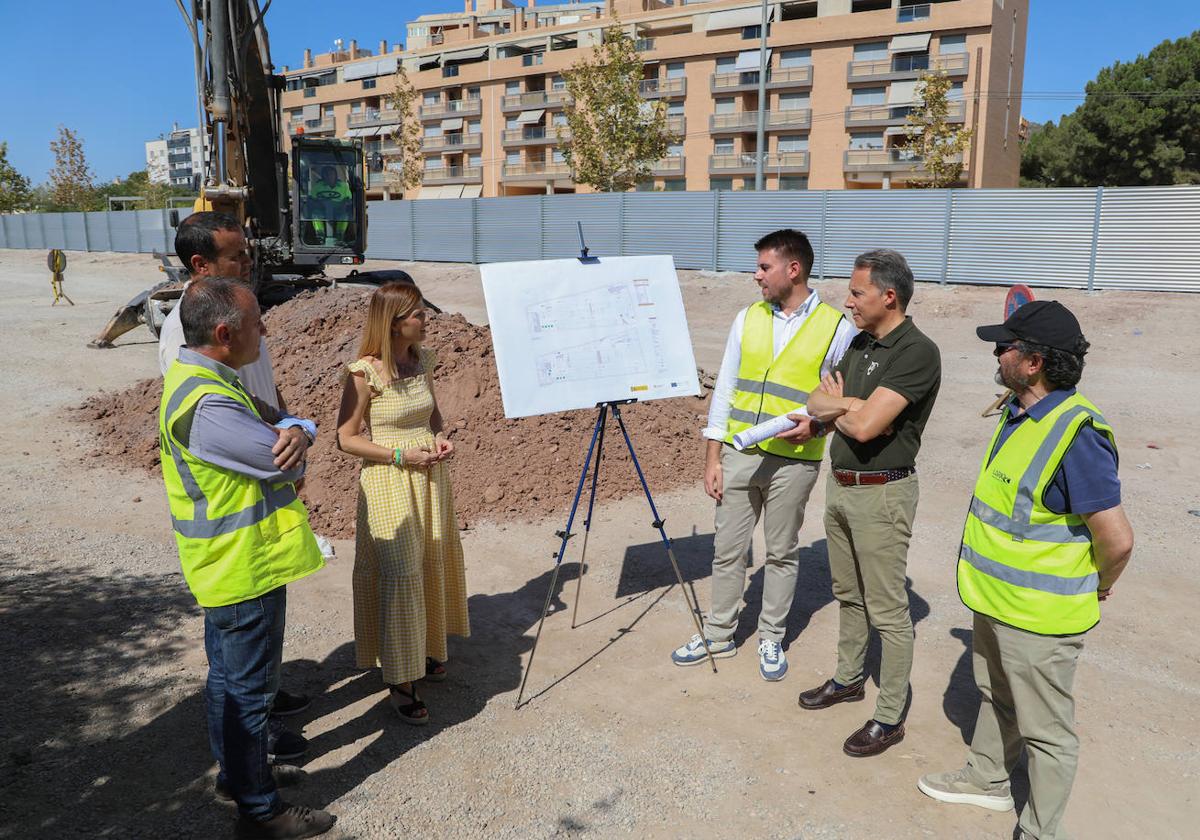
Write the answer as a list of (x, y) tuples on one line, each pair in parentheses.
[(121, 73)]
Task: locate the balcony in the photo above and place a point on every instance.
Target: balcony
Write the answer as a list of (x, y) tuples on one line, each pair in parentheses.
[(777, 78), (311, 126), (452, 143), (534, 99), (885, 160), (911, 14), (374, 118), (907, 67), (536, 135), (453, 175), (670, 165), (663, 88), (745, 121), (535, 171), (452, 108), (885, 115), (778, 163), (677, 125)]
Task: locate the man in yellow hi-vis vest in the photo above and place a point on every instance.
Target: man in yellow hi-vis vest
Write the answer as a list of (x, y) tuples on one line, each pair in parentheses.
[(242, 535), (778, 350), (1044, 542)]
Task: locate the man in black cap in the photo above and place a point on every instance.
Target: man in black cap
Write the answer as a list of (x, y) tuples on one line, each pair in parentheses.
[(1044, 542)]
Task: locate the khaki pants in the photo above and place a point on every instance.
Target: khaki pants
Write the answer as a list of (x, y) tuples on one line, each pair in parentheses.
[(868, 529), (777, 489), (1026, 682)]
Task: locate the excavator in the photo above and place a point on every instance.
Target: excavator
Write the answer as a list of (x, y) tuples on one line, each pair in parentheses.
[(301, 212)]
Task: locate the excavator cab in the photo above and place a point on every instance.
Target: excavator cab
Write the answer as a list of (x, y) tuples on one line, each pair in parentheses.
[(329, 224)]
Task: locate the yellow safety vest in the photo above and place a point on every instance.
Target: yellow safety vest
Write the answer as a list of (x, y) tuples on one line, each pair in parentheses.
[(1020, 562), (769, 386), (238, 537)]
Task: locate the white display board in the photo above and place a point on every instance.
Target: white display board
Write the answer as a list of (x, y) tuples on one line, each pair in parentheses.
[(570, 334)]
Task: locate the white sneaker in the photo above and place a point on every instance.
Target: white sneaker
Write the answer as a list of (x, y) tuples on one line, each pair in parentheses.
[(957, 787), (772, 664), (693, 652)]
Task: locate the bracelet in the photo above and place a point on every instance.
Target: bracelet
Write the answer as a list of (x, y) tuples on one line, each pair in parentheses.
[(398, 457)]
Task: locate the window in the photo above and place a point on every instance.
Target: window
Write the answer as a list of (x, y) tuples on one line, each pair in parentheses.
[(557, 82), (907, 14), (474, 127), (948, 44), (870, 140), (511, 122), (531, 59), (431, 98), (751, 32), (512, 158), (433, 164), (725, 105), (512, 87), (449, 71), (794, 101), (798, 11), (675, 108), (723, 146), (720, 183), (675, 70), (793, 183), (433, 131), (355, 107), (674, 185), (557, 157), (558, 118), (369, 84), (472, 93), (795, 58), (874, 51), (727, 64), (310, 92), (793, 143), (869, 5), (675, 149), (475, 160), (645, 186), (955, 94), (868, 96)]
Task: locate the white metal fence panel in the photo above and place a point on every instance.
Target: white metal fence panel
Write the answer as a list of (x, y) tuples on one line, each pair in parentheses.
[(97, 231), (31, 225), (389, 230), (1037, 237), (600, 215), (155, 233), (912, 222), (508, 229), (678, 223), (1149, 238), (444, 230), (75, 231), (745, 217), (14, 232), (54, 234)]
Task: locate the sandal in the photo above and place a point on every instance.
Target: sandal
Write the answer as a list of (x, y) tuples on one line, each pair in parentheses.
[(414, 712), (434, 671)]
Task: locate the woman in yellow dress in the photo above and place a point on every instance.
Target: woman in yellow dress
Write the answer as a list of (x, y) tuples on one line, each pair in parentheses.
[(409, 582)]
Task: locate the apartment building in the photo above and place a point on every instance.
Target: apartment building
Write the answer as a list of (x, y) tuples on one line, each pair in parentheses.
[(174, 158), (839, 85)]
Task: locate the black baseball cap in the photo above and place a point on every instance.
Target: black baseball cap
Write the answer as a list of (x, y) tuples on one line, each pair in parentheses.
[(1045, 322)]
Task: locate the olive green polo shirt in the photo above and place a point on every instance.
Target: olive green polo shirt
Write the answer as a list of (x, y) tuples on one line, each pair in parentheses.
[(905, 361)]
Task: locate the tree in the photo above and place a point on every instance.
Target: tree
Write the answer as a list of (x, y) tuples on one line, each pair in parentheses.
[(616, 136), (15, 192), (154, 196), (1137, 126), (72, 184), (940, 144), (405, 167)]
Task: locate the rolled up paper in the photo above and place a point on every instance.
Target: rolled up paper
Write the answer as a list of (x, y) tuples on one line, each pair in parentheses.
[(767, 429)]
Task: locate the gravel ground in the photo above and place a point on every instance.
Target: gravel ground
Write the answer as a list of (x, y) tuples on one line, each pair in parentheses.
[(103, 664)]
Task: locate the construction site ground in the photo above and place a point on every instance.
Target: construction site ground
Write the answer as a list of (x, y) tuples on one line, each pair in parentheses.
[(103, 664)]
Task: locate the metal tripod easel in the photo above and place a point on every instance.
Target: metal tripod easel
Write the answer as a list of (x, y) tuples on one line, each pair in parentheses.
[(596, 447)]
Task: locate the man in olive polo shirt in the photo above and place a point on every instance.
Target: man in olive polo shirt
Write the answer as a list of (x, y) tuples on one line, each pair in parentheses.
[(877, 402)]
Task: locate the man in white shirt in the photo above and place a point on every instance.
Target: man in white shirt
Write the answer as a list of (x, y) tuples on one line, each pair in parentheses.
[(777, 352)]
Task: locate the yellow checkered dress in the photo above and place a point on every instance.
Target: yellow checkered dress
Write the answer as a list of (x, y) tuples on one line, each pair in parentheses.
[(409, 583)]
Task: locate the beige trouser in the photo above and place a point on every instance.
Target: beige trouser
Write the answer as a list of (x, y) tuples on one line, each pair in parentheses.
[(868, 528), (777, 489), (1026, 681)]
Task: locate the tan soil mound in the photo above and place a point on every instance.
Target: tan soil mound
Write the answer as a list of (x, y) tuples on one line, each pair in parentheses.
[(502, 469)]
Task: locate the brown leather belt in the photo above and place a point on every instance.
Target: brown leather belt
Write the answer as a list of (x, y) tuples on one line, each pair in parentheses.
[(852, 478)]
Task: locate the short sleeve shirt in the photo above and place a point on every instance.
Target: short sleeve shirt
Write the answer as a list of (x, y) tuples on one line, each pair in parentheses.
[(905, 361)]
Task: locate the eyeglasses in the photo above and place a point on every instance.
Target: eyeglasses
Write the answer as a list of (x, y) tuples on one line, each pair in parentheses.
[(1001, 349)]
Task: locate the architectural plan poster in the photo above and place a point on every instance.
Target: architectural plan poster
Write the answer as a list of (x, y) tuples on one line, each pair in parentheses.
[(569, 334)]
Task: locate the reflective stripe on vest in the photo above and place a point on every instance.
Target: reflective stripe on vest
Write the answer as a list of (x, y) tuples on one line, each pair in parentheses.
[(238, 537), (1020, 562), (768, 386)]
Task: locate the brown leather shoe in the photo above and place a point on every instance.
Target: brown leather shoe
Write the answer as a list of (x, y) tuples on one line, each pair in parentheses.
[(872, 740), (293, 822), (827, 694)]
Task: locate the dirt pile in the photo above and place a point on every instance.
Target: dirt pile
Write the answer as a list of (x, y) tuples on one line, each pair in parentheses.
[(502, 470)]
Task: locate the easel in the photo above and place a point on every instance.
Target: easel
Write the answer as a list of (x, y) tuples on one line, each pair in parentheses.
[(56, 261), (604, 409)]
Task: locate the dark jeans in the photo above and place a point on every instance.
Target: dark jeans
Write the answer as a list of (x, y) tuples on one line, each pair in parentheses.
[(244, 643)]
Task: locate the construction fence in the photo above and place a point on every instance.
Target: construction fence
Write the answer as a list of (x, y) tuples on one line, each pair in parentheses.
[(1087, 238)]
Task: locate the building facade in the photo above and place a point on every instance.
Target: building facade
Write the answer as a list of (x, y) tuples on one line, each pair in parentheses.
[(840, 83), (175, 158)]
